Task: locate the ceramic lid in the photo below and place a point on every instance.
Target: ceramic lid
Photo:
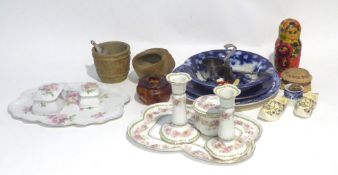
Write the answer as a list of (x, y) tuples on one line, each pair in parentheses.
[(48, 92), (89, 89), (228, 150), (296, 75), (207, 105)]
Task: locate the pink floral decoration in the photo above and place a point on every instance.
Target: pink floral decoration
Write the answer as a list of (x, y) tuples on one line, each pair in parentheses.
[(225, 149), (226, 115), (175, 133), (59, 118), (90, 86), (27, 109), (49, 88), (98, 115), (163, 109), (72, 97)]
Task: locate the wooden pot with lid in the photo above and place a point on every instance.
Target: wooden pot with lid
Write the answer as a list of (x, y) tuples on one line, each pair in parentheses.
[(298, 76)]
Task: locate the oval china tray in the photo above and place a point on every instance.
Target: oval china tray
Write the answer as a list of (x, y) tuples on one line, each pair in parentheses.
[(240, 61), (145, 132), (111, 106)]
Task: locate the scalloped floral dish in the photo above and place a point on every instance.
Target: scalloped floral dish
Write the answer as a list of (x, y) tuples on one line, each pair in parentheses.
[(110, 106), (146, 132)]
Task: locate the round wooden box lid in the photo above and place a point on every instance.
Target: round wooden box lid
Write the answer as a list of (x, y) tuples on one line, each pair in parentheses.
[(296, 75)]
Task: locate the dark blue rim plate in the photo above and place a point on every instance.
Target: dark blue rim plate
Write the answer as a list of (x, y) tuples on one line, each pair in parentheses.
[(241, 60), (252, 101), (197, 90)]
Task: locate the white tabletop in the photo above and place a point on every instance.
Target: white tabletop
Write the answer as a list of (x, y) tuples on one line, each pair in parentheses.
[(43, 41)]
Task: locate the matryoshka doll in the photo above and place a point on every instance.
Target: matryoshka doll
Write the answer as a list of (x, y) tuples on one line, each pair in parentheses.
[(288, 45)]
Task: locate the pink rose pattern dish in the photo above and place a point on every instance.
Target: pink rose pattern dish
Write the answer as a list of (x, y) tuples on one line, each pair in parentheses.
[(112, 102), (141, 132), (224, 148)]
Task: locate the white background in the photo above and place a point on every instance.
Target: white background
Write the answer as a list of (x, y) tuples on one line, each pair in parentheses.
[(49, 41)]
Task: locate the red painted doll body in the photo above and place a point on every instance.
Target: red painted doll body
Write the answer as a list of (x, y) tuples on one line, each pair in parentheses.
[(288, 45)]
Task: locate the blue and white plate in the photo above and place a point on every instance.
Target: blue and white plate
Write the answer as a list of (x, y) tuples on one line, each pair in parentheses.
[(254, 89), (248, 101), (197, 90), (240, 61)]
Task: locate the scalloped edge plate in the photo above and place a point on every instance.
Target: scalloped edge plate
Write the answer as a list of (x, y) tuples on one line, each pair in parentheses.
[(142, 132), (110, 108)]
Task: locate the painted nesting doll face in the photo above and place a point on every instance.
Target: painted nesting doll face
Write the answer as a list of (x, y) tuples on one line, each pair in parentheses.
[(289, 30)]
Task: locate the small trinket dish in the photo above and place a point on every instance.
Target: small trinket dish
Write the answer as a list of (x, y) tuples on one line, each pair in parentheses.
[(305, 106), (273, 109), (298, 76), (293, 92), (47, 99), (151, 89), (89, 93), (224, 150)]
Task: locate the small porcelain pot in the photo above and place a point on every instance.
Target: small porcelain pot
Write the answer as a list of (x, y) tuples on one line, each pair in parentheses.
[(47, 100), (208, 108), (152, 90), (206, 116), (89, 95), (293, 92)]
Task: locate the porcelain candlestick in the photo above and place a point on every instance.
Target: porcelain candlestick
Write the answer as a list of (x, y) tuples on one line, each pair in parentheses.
[(179, 116), (226, 145), (226, 128), (227, 95), (178, 131)]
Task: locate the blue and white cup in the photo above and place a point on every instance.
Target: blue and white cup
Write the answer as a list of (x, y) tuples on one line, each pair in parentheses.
[(293, 92)]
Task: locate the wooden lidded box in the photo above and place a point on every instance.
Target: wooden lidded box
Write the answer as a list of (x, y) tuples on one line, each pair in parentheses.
[(297, 75)]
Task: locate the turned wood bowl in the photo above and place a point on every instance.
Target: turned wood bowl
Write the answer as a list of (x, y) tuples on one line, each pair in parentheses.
[(153, 62)]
